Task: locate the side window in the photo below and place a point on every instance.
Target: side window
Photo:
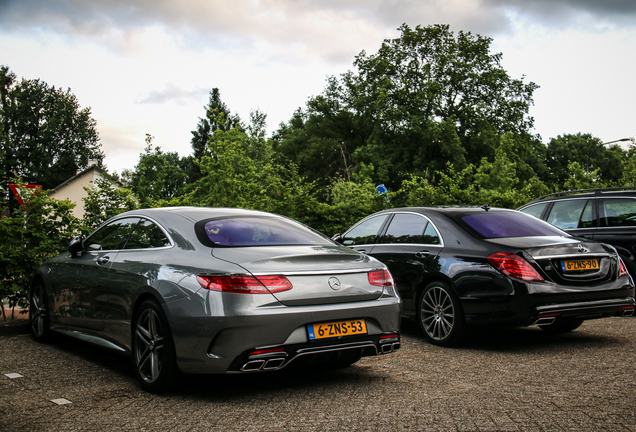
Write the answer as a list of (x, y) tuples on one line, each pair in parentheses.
[(410, 228), (147, 235), (112, 236), (586, 218), (618, 212), (568, 214), (535, 210), (431, 236), (365, 232)]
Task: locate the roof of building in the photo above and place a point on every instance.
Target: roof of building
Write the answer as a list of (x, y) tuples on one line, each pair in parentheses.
[(81, 173)]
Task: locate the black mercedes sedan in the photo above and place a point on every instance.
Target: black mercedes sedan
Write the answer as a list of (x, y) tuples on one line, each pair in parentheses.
[(456, 268), (212, 290)]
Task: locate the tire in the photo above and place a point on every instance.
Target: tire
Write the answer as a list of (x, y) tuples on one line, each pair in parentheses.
[(440, 315), (562, 325), (153, 354), (39, 313)]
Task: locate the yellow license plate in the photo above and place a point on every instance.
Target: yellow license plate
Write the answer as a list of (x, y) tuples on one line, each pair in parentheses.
[(579, 265), (337, 328)]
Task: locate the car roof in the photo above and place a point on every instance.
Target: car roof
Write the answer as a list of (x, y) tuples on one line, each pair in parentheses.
[(587, 193), (448, 210), (196, 213)]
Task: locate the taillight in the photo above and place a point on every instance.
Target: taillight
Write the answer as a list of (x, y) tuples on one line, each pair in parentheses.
[(514, 266), (380, 278), (622, 271), (246, 284), (267, 351)]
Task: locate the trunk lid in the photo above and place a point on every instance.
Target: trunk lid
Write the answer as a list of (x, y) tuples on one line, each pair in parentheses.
[(319, 274), (567, 260)]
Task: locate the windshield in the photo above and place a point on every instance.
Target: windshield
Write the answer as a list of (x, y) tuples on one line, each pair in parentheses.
[(258, 231), (509, 224)]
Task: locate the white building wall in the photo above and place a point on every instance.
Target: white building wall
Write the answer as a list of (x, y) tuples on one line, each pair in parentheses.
[(74, 191)]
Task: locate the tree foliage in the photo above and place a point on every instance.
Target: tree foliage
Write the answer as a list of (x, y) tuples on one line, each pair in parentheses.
[(240, 171), (217, 117), (46, 136), (158, 175), (424, 99), (31, 234), (104, 200)]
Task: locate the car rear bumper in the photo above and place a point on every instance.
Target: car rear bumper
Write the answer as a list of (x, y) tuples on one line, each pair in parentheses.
[(524, 309), (586, 310), (243, 342), (276, 358)]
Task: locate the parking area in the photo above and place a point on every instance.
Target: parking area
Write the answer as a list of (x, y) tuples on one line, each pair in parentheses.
[(513, 380)]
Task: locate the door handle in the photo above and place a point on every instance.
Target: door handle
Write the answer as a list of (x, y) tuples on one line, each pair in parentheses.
[(422, 254), (364, 251), (102, 260)]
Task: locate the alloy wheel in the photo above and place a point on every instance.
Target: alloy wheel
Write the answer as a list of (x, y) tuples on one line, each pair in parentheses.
[(38, 313), (437, 313), (149, 346)]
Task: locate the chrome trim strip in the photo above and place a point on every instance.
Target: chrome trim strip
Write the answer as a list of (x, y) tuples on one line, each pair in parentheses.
[(441, 239), (570, 256), (426, 245), (339, 347), (627, 301), (321, 272), (172, 243)]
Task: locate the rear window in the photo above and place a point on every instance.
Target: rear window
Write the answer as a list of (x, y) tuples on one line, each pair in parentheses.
[(257, 231), (508, 224)]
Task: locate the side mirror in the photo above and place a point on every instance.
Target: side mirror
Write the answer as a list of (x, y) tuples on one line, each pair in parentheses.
[(76, 246), (337, 238)]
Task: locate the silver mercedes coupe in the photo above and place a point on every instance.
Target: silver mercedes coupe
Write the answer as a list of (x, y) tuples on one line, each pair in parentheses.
[(216, 290)]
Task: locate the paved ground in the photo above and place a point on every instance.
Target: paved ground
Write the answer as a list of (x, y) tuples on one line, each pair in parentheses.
[(517, 380)]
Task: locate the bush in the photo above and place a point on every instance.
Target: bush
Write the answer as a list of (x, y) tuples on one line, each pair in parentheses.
[(30, 235)]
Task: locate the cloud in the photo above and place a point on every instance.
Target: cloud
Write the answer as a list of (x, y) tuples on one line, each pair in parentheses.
[(172, 94), (563, 13), (290, 31)]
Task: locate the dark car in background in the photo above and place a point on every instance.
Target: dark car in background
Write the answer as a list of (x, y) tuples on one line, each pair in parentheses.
[(458, 268), (606, 215), (210, 290)]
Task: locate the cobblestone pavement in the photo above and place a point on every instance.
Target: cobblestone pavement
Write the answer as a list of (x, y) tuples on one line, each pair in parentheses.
[(513, 380)]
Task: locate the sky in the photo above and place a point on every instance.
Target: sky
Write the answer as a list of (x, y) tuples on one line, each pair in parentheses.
[(147, 66)]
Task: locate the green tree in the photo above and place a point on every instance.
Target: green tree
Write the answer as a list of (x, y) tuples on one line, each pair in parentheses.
[(240, 171), (629, 169), (579, 179), (158, 175), (347, 201), (47, 137), (425, 99), (589, 153), (217, 117), (428, 77), (104, 201), (321, 140), (31, 234)]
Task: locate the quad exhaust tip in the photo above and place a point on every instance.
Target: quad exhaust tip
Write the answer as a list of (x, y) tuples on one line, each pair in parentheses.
[(546, 319), (390, 347), (261, 364)]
